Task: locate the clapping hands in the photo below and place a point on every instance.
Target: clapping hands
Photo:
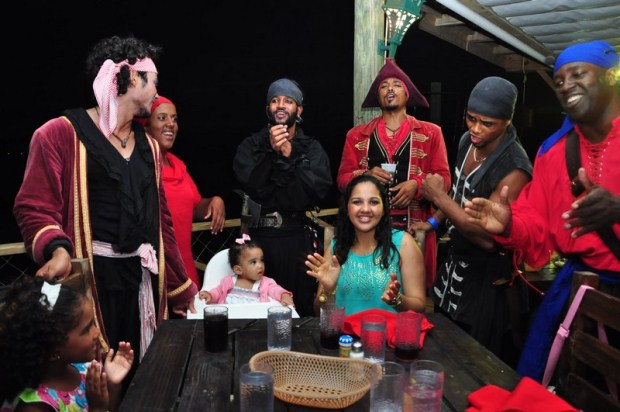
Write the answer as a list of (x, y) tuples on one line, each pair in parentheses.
[(102, 380), (597, 209), (494, 217), (117, 365), (392, 290)]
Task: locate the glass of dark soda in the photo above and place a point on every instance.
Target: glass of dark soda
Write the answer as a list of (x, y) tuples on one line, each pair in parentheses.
[(407, 339), (331, 325), (215, 323)]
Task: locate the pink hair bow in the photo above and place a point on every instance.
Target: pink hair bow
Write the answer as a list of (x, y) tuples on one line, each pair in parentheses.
[(244, 238)]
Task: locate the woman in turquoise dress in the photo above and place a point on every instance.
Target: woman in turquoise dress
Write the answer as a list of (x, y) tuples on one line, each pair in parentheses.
[(369, 265)]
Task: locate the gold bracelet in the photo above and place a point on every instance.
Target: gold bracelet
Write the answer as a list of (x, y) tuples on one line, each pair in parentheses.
[(323, 296), (397, 301)]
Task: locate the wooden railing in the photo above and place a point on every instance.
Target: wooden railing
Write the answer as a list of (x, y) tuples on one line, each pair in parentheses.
[(14, 262)]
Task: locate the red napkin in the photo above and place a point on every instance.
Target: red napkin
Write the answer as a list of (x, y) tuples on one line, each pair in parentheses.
[(528, 396), (353, 325)]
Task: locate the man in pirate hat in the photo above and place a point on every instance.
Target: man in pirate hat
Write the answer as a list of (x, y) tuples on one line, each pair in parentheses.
[(415, 146)]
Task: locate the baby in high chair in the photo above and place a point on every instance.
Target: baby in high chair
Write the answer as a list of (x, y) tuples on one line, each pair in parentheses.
[(247, 284)]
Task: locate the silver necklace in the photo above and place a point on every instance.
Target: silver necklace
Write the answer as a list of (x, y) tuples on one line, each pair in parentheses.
[(478, 160)]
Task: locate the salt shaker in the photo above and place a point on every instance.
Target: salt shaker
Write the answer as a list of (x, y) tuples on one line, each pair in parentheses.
[(356, 350)]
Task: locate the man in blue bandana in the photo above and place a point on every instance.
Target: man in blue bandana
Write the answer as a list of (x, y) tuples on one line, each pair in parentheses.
[(574, 210)]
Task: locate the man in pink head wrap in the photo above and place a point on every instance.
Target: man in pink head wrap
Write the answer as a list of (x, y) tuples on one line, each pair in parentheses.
[(92, 189), (416, 147)]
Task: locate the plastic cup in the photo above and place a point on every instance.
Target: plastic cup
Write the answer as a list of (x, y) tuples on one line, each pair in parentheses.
[(389, 167), (373, 337), (386, 390), (425, 387), (256, 388), (279, 328), (407, 338)]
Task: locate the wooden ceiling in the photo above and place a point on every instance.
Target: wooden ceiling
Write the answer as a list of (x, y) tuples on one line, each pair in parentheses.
[(521, 35)]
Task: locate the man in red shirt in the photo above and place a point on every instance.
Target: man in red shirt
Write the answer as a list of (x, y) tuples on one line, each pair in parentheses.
[(416, 147), (549, 216)]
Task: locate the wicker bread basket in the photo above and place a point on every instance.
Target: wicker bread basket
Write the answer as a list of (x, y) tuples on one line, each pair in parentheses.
[(316, 380)]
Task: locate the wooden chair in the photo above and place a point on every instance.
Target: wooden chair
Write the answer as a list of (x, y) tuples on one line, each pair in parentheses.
[(587, 364)]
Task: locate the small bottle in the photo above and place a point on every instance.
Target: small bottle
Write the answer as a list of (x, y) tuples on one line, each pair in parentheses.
[(356, 350), (345, 343)]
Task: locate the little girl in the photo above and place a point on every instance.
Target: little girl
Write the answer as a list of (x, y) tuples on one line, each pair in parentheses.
[(47, 337), (247, 284)]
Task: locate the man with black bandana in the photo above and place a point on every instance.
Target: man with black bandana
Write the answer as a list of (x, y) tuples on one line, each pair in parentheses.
[(287, 173), (473, 285)]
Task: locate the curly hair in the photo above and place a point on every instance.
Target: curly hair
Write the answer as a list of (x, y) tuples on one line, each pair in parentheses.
[(118, 49), (234, 253), (344, 235), (32, 332)]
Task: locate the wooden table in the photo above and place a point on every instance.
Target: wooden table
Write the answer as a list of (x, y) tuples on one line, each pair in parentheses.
[(177, 374)]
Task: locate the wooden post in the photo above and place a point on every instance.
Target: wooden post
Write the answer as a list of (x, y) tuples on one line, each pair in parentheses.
[(369, 31)]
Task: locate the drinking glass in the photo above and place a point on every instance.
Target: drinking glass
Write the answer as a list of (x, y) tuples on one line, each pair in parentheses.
[(256, 388), (386, 390), (279, 328), (215, 323), (331, 325), (374, 337), (407, 337), (425, 387)]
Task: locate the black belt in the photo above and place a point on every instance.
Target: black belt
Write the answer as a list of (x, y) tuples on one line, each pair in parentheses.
[(274, 220)]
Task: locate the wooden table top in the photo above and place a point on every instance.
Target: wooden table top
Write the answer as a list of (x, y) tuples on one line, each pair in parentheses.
[(177, 374)]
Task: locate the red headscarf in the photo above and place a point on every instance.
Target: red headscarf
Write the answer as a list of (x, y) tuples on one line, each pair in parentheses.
[(156, 103)]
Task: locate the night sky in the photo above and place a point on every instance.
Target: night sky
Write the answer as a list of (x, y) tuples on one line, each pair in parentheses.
[(219, 84)]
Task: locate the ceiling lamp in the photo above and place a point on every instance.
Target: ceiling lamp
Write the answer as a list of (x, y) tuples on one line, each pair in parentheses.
[(400, 15)]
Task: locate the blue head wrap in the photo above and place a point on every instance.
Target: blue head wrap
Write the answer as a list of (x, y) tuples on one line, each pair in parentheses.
[(599, 53)]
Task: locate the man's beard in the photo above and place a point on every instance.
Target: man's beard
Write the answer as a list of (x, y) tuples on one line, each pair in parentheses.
[(144, 114), (390, 108), (290, 121)]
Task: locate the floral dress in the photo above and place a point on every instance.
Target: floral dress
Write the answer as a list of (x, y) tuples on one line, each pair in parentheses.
[(62, 401)]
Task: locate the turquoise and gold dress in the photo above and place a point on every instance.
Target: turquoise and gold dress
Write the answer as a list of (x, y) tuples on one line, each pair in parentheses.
[(363, 279)]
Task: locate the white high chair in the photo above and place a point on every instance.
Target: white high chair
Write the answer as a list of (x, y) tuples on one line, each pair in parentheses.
[(216, 269)]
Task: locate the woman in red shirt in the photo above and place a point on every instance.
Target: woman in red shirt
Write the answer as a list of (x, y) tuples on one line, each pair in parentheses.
[(185, 202)]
